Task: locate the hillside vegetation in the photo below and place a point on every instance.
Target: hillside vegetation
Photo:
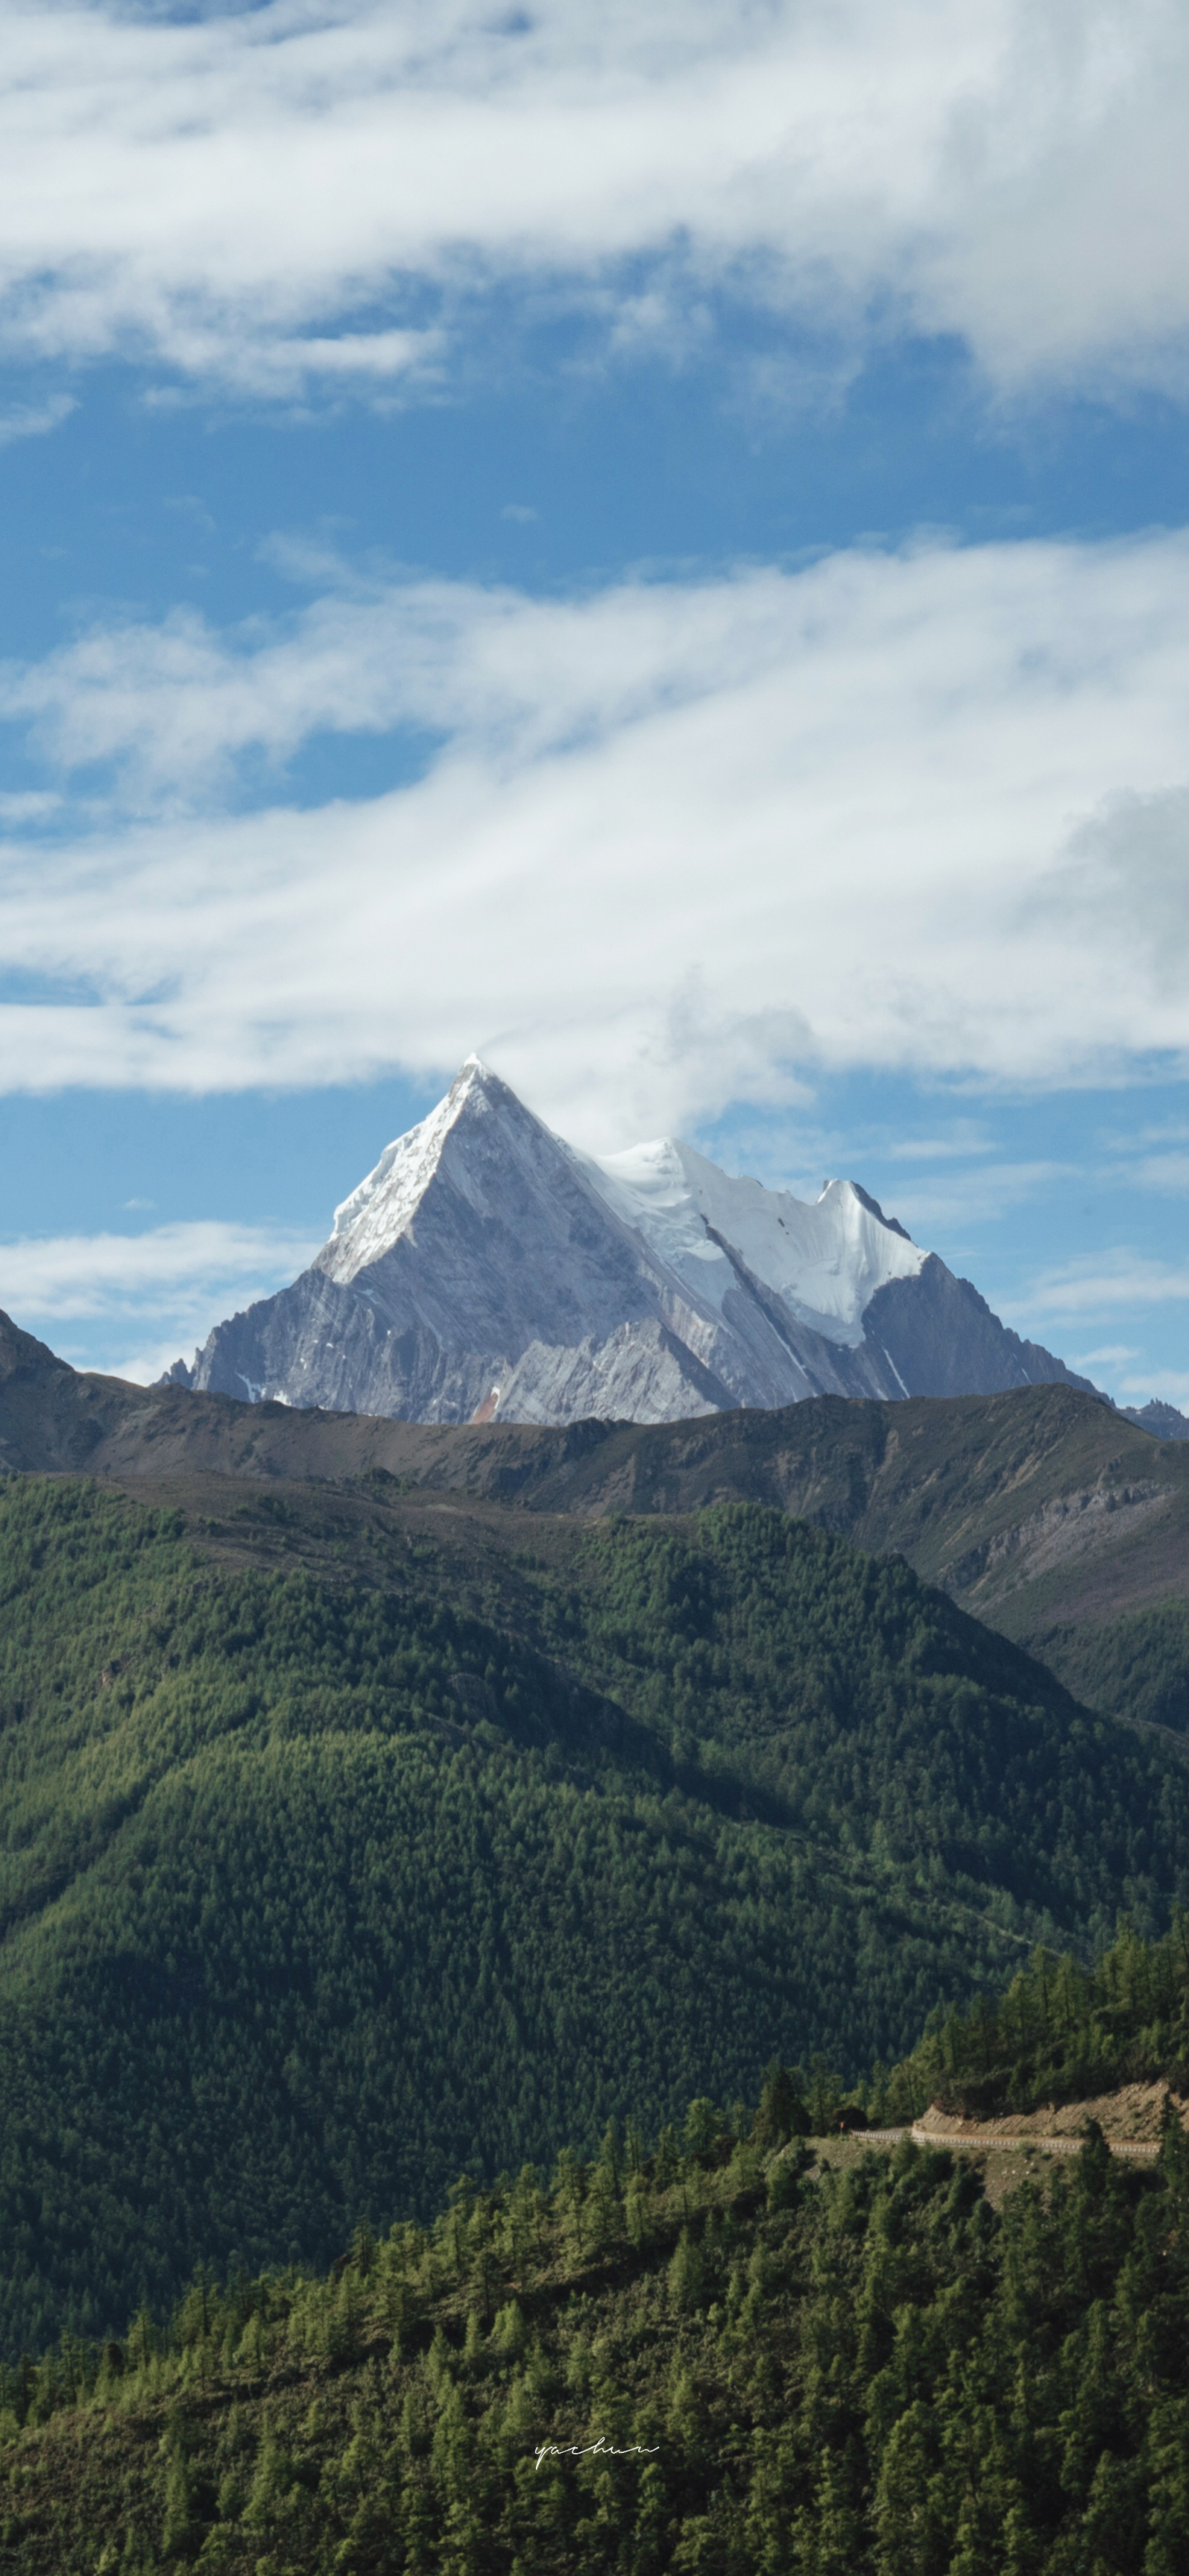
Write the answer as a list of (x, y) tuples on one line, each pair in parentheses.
[(1137, 1664), (708, 2355), (323, 1874), (1042, 1511), (1063, 2032)]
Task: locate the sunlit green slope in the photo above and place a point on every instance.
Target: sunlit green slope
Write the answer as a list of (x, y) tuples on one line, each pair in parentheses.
[(724, 2352), (316, 1885)]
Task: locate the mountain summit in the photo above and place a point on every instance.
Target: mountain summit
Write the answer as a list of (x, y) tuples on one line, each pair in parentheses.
[(485, 1268)]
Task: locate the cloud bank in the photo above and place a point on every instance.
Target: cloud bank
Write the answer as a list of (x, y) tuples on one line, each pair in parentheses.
[(675, 844), (266, 197)]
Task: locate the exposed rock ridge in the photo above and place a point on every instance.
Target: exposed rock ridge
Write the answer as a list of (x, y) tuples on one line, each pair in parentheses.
[(1163, 1419)]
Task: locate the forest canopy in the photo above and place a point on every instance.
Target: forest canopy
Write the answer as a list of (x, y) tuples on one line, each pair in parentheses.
[(720, 2350), (322, 1877)]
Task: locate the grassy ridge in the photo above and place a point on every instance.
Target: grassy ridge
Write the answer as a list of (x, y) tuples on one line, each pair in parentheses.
[(1041, 1510), (316, 1885)]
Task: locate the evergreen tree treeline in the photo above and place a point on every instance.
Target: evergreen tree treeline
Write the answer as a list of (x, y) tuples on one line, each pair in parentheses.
[(1061, 2033), (708, 2355), (318, 1880)]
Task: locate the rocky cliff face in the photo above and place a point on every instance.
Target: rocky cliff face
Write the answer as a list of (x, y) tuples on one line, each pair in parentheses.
[(1162, 1419), (485, 1270)]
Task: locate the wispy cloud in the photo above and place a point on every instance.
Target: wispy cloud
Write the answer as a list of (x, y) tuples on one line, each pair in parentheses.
[(27, 805), (679, 842), (92, 1274), (275, 367), (225, 192), (1101, 1283), (956, 1201), (1168, 1386), (1163, 1172), (174, 1281), (961, 1139), (35, 419)]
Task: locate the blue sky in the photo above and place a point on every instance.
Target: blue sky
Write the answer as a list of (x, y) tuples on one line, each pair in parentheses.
[(653, 544)]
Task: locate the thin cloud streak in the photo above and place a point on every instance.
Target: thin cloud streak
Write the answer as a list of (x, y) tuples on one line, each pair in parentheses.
[(35, 419), (979, 1197), (1164, 1172), (1101, 1283), (75, 1275), (1168, 1386), (227, 197), (962, 1140)]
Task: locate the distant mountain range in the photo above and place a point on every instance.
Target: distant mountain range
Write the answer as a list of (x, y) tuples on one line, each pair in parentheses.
[(1163, 1419), (486, 1270)]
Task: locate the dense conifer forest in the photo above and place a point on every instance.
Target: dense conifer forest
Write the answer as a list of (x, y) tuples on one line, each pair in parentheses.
[(718, 2350), (1063, 2032), (1138, 1663), (322, 1877)]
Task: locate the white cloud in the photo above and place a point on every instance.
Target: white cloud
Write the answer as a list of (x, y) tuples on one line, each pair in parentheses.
[(98, 1274), (1168, 1386), (962, 1138), (1165, 1172), (31, 805), (1097, 1283), (35, 419), (964, 1199), (276, 367), (922, 810), (230, 192), (163, 1289)]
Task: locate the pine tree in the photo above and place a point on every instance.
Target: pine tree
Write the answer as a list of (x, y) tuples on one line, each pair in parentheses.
[(686, 2273)]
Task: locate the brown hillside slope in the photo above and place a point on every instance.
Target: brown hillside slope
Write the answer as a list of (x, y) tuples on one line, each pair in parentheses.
[(1130, 2117), (1042, 1511)]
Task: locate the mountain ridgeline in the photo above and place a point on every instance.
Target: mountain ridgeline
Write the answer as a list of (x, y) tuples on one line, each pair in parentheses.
[(1042, 1510), (350, 1835), (486, 1271)]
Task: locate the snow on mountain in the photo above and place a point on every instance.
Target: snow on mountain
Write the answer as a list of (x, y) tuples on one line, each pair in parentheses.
[(825, 1259), (386, 1200), (485, 1268)]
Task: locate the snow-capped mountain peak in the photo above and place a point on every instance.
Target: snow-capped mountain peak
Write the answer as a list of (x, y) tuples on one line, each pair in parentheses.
[(485, 1267), (382, 1206)]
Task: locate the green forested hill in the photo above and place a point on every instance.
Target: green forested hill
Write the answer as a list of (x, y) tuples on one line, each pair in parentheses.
[(342, 1845), (1064, 2031), (1043, 1511), (1136, 1662), (726, 2356)]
